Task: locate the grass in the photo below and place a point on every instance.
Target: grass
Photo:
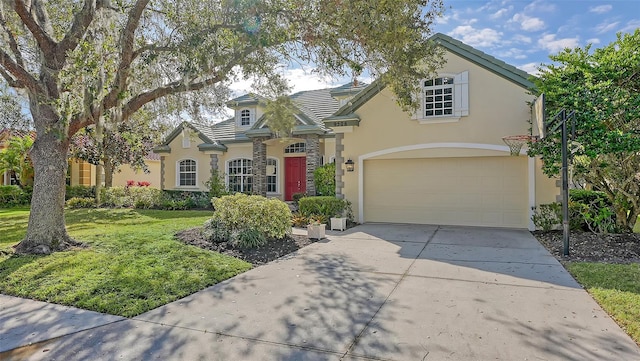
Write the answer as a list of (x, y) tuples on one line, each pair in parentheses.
[(616, 287), (133, 263)]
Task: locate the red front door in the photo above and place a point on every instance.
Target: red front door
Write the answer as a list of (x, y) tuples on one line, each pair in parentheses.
[(295, 176)]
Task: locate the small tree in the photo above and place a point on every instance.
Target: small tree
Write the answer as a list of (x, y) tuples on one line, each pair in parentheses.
[(16, 158), (603, 87), (324, 178)]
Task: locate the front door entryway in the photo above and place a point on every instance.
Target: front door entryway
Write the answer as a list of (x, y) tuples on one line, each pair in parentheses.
[(295, 176)]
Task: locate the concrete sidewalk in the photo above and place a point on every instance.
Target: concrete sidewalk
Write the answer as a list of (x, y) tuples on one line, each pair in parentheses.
[(374, 292)]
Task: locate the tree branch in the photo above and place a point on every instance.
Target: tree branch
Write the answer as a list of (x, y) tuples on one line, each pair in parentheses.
[(81, 23), (13, 44), (126, 54), (45, 43), (9, 79), (20, 76)]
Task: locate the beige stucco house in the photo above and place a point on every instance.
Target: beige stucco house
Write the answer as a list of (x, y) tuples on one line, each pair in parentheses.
[(445, 164)]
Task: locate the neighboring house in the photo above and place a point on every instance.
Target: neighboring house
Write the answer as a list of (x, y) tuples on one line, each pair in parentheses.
[(83, 173), (446, 164)]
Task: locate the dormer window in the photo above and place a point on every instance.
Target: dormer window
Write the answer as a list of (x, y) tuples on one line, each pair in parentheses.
[(245, 117)]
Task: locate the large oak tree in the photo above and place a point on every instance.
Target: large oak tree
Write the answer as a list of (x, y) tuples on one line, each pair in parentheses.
[(79, 61)]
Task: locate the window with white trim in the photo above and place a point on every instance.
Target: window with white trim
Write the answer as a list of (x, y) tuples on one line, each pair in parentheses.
[(296, 148), (245, 117), (445, 97), (187, 170), (240, 175), (272, 175)]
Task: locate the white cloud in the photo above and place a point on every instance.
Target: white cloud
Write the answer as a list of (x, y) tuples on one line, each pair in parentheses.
[(631, 26), (500, 13), (531, 68), (540, 6), (522, 39), (593, 41), (553, 45), (476, 37), (606, 27), (600, 9), (514, 53), (528, 23)]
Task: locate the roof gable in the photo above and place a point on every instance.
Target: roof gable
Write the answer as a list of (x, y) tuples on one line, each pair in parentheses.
[(486, 61)]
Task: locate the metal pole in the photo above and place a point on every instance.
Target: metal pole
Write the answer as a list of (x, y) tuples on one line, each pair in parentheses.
[(565, 185)]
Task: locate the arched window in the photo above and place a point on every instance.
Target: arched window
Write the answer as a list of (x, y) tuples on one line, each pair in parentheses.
[(296, 148), (239, 175), (187, 173), (245, 117), (272, 175)]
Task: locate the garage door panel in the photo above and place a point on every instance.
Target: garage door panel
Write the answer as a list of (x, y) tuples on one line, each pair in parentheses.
[(481, 191)]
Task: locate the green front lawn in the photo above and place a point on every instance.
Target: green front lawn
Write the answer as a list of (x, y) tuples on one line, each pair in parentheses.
[(616, 287), (132, 265)]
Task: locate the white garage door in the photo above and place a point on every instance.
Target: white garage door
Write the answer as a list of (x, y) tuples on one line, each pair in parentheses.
[(474, 191)]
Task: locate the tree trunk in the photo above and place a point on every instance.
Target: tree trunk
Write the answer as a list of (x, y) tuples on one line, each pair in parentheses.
[(108, 174), (46, 231)]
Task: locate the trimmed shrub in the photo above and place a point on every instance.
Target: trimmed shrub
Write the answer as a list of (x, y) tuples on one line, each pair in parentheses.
[(548, 216), (324, 178), (144, 197), (136, 197), (297, 196), (80, 192), (239, 212), (81, 202), (216, 185), (322, 206), (11, 196), (186, 199)]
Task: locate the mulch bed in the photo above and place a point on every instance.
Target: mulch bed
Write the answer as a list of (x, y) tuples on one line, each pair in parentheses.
[(256, 256), (590, 247), (583, 246)]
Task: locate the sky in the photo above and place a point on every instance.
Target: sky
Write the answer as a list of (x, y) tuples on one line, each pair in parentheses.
[(521, 33)]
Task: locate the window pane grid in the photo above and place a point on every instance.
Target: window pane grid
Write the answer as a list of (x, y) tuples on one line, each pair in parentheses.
[(296, 148), (187, 173), (240, 175), (245, 117), (438, 97)]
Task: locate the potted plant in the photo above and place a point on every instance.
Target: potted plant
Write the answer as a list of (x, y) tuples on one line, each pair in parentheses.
[(338, 222), (315, 230)]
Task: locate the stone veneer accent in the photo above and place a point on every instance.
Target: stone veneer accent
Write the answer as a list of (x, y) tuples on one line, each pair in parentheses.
[(260, 166), (162, 161), (313, 160), (339, 159)]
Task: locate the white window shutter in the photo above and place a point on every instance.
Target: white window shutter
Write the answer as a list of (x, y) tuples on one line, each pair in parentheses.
[(461, 94)]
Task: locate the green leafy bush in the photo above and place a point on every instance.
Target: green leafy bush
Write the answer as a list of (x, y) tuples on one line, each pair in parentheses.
[(132, 197), (299, 220), (186, 199), (322, 206), (215, 231), (591, 211), (239, 212), (80, 192), (145, 197), (324, 178), (11, 196), (548, 216), (81, 202)]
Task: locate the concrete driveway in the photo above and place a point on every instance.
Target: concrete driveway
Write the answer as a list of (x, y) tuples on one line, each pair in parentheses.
[(374, 292)]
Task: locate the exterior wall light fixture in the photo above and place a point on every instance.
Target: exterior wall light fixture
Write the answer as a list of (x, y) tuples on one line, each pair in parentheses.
[(350, 165)]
